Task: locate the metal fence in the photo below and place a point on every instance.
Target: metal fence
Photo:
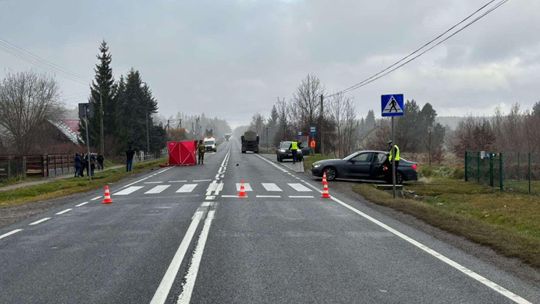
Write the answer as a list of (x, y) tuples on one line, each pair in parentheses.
[(510, 171)]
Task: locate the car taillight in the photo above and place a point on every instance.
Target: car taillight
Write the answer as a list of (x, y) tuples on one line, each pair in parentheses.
[(414, 167)]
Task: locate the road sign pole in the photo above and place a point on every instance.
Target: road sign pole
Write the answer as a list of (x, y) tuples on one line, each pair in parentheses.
[(393, 153), (87, 146)]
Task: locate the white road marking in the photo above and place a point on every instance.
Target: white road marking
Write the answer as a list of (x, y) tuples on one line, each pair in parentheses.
[(247, 187), (145, 178), (157, 189), (39, 221), (64, 211), (299, 187), (95, 198), (207, 204), (156, 182), (269, 196), (271, 187), (201, 180), (9, 233), (228, 195), (301, 196), (193, 270), (81, 204), (166, 283), (494, 286), (186, 188), (128, 191), (210, 197), (178, 181)]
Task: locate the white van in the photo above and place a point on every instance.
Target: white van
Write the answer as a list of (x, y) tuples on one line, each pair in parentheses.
[(210, 144)]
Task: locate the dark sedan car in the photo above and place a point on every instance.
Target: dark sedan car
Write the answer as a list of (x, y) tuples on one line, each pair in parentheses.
[(365, 165), (284, 152)]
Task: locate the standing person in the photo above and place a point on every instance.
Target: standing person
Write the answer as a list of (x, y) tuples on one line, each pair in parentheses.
[(201, 148), (129, 159), (100, 161), (92, 163), (86, 162), (78, 165), (393, 155), (294, 151)]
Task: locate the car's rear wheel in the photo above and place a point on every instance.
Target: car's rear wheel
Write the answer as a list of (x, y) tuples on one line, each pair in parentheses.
[(331, 173)]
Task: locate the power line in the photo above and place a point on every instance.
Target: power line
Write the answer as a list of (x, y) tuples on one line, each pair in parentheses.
[(32, 58), (407, 59)]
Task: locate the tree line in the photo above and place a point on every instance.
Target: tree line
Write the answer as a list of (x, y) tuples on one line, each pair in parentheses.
[(343, 130), (128, 109), (516, 131)]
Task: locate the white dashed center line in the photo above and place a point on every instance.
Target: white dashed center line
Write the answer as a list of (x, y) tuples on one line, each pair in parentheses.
[(81, 204)]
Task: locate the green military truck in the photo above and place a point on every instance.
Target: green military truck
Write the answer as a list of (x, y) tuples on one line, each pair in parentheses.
[(250, 142)]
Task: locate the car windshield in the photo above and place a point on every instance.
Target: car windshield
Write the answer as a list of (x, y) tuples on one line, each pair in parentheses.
[(285, 145), (209, 142)]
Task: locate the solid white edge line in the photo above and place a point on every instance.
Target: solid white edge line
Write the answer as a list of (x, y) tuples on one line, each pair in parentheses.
[(64, 211), (168, 279), (39, 221), (81, 204), (486, 282), (10, 233), (191, 276)]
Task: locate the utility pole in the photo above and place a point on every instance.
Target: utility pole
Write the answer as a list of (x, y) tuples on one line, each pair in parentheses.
[(320, 124), (102, 132)]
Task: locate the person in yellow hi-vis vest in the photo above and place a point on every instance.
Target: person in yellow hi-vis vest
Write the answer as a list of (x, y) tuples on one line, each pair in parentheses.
[(294, 150), (393, 155)]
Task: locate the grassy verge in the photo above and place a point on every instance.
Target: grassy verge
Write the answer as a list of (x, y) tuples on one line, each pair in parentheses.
[(69, 186), (507, 222)]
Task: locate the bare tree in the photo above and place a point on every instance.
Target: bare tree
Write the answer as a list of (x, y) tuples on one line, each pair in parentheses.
[(343, 115), (306, 102), (27, 101)]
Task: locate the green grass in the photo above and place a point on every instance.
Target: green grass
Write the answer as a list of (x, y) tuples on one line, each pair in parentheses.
[(69, 186), (507, 222)]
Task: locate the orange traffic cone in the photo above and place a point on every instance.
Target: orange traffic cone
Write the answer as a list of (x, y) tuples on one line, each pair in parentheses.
[(325, 193), (107, 197), (242, 193)]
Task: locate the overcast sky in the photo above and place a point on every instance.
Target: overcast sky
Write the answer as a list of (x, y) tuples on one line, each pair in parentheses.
[(234, 58)]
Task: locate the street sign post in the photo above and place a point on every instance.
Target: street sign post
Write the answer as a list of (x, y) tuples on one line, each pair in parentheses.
[(86, 112), (391, 106)]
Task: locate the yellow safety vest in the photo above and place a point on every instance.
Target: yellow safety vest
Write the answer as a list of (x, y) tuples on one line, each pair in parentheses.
[(294, 145), (391, 156)]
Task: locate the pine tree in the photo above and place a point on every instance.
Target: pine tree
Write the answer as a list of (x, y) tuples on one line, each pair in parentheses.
[(102, 92)]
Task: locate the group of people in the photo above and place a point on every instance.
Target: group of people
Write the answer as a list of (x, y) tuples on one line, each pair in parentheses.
[(82, 162)]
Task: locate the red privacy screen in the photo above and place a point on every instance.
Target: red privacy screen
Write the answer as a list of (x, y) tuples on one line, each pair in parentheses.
[(182, 153)]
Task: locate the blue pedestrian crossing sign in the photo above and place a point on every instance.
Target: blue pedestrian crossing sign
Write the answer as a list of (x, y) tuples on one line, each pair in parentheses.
[(392, 105)]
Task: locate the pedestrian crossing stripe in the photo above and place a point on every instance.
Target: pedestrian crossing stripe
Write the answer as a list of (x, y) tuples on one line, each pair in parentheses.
[(392, 106), (299, 187), (247, 187), (128, 190), (271, 187), (157, 189), (186, 188)]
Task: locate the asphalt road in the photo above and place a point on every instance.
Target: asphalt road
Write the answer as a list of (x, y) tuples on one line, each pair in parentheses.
[(180, 235)]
